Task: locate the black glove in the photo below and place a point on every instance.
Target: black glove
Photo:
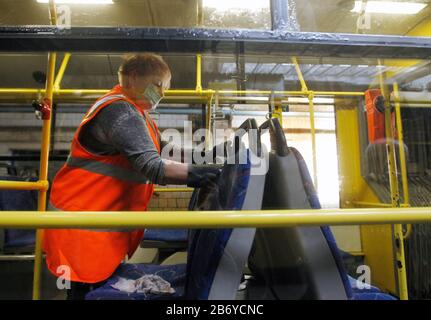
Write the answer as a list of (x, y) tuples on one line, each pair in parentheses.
[(200, 175)]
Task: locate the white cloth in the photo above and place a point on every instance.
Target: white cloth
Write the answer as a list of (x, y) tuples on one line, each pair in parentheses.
[(148, 283)]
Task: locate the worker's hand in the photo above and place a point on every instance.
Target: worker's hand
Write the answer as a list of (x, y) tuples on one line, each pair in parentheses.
[(201, 175)]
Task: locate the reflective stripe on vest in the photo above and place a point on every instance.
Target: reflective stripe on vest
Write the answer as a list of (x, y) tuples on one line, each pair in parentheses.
[(52, 208), (102, 101), (106, 169), (149, 120)]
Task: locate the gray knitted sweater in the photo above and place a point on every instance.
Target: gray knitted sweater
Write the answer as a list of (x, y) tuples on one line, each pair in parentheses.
[(120, 128)]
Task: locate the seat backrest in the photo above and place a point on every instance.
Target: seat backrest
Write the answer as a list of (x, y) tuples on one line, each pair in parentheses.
[(174, 236), (217, 257), (17, 200), (166, 235), (304, 266)]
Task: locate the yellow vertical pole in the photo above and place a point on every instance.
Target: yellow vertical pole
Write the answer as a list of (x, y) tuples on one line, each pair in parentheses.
[(403, 162), (310, 94), (208, 119), (199, 73), (61, 71), (395, 197), (278, 111), (313, 136), (299, 73), (44, 155), (52, 12), (209, 101), (43, 175)]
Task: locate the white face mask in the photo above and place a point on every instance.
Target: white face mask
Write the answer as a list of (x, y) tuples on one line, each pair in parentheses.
[(152, 95)]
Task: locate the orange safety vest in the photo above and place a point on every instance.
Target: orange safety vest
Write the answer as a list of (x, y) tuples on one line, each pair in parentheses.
[(90, 182)]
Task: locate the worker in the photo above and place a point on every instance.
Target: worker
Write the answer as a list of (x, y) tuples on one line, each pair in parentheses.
[(113, 165)]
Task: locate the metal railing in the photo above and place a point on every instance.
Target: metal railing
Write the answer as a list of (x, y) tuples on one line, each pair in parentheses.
[(212, 219)]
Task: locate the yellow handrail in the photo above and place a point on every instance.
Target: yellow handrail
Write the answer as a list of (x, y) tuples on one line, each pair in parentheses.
[(403, 162), (44, 157), (43, 175), (61, 71), (183, 92), (198, 73), (304, 87), (52, 12), (24, 185), (310, 96), (212, 219), (278, 111), (208, 127), (395, 195), (313, 138)]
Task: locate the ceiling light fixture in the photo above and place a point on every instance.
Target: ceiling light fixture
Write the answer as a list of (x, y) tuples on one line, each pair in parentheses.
[(389, 7), (78, 1)]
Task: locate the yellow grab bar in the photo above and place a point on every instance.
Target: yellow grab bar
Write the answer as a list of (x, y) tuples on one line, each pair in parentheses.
[(185, 92), (44, 156), (212, 219), (24, 185)]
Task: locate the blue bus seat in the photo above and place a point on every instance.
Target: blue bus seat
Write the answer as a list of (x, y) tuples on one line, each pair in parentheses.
[(174, 274), (17, 240), (175, 235), (165, 238), (308, 265)]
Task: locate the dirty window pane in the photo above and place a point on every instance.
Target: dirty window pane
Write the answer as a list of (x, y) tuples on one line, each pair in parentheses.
[(347, 160), (117, 13), (409, 17)]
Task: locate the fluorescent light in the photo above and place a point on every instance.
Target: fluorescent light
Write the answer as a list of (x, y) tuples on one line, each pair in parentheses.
[(389, 7), (226, 5), (78, 1)]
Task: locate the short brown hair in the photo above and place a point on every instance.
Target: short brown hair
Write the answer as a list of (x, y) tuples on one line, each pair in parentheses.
[(144, 64)]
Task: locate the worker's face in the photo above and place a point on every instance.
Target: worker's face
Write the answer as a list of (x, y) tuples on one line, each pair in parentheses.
[(149, 90)]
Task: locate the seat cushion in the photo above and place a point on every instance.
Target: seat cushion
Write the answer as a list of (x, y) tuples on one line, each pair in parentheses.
[(174, 274), (373, 296)]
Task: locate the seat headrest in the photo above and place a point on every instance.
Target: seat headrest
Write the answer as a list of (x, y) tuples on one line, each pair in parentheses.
[(248, 126), (277, 137)]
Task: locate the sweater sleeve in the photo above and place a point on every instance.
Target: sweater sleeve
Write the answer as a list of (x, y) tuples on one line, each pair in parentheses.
[(120, 128)]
